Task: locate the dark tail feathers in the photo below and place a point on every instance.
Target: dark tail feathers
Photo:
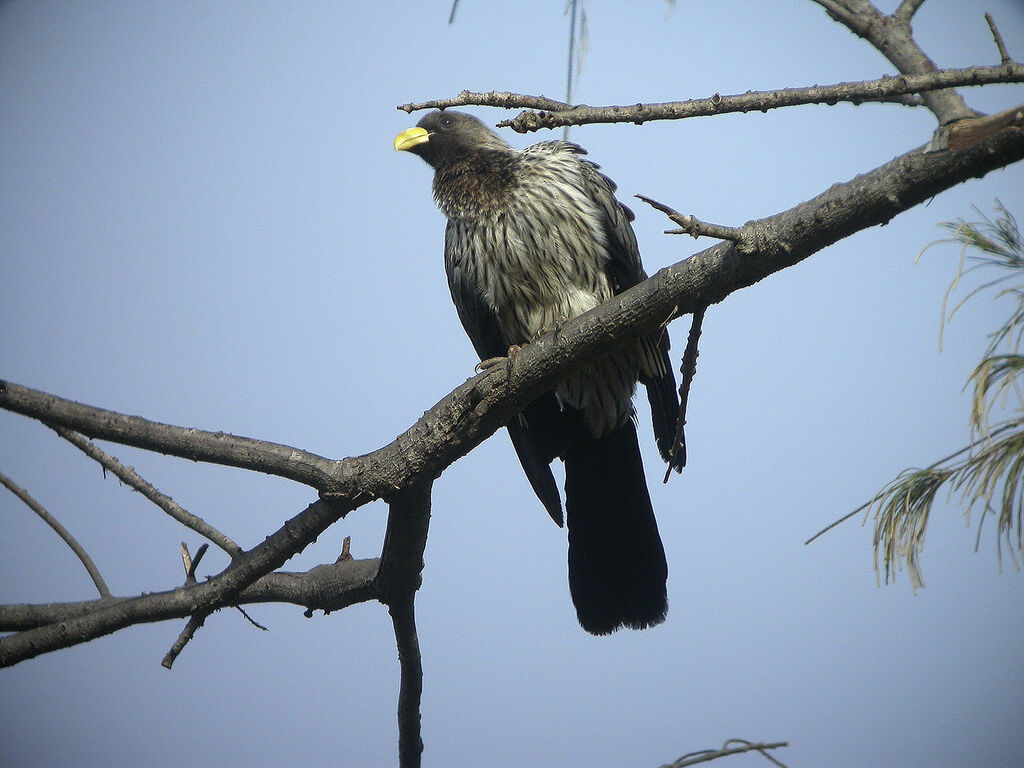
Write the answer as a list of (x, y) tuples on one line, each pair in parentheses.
[(617, 568)]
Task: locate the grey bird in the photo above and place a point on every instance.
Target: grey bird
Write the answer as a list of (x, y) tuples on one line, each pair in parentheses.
[(536, 236)]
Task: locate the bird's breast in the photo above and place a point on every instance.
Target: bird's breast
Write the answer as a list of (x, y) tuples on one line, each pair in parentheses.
[(537, 263)]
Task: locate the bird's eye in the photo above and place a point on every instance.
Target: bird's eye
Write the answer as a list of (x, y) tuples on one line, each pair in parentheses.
[(445, 121)]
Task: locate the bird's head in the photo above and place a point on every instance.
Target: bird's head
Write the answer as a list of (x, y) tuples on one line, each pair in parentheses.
[(445, 136)]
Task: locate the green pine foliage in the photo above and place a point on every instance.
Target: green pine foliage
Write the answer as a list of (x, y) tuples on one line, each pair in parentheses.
[(988, 474)]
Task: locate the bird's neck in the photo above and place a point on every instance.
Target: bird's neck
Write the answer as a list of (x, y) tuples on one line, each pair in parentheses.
[(475, 186)]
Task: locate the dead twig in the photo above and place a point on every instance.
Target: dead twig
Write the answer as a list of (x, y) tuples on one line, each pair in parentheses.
[(50, 520), (132, 479), (694, 227), (706, 755)]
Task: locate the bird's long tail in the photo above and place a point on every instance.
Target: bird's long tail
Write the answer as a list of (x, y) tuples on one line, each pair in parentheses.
[(617, 568)]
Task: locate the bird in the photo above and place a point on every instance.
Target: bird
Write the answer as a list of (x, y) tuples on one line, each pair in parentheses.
[(535, 237)]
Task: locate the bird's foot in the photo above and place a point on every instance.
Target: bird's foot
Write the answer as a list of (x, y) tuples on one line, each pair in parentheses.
[(555, 329), (491, 362)]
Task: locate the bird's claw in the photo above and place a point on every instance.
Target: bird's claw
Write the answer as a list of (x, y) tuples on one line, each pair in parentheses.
[(555, 329), (491, 362)]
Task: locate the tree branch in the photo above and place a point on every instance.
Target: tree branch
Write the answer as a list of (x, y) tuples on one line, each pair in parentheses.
[(892, 36), (324, 588), (907, 9), (1004, 55), (727, 749), (883, 89), (503, 99), (695, 227), (64, 533), (410, 740), (189, 443), (477, 408), (130, 477), (397, 581)]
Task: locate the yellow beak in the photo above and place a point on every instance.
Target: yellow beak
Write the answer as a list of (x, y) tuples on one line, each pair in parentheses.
[(410, 137)]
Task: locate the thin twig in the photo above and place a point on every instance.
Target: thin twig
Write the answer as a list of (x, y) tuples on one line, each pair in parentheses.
[(194, 623), (190, 571), (251, 620), (842, 519), (690, 225), (50, 520), (504, 100), (1004, 55), (706, 755), (131, 478)]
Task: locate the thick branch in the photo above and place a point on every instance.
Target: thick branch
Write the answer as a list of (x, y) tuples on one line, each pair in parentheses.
[(410, 691), (397, 581), (323, 588), (196, 444)]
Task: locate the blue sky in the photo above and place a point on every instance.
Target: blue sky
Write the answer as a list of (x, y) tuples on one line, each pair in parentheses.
[(202, 221)]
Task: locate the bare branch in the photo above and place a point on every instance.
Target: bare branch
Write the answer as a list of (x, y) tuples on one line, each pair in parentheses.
[(410, 740), (50, 520), (893, 38), (250, 619), (191, 563), (727, 749), (1004, 55), (195, 623), (504, 100), (189, 443), (907, 9), (883, 89), (690, 225), (837, 10), (324, 588), (397, 581), (130, 477)]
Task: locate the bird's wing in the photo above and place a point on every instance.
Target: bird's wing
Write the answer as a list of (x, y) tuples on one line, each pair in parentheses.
[(626, 270), (624, 264), (479, 318), (538, 433), (623, 252)]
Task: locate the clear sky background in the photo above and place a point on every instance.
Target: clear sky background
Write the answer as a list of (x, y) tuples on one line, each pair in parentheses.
[(202, 221)]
